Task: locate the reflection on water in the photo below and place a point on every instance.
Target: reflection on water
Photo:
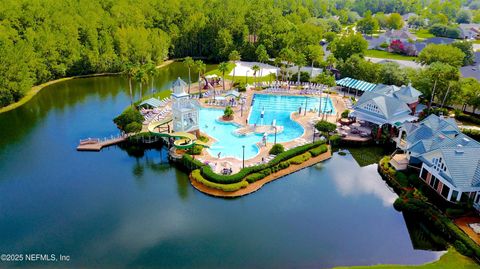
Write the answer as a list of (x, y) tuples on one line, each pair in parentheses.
[(359, 181), (129, 208)]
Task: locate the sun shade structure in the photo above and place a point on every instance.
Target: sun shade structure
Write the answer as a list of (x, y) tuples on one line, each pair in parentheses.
[(356, 84), (150, 103), (232, 93)]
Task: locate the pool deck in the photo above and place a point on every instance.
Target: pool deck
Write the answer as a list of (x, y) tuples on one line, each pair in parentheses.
[(253, 187), (307, 121)]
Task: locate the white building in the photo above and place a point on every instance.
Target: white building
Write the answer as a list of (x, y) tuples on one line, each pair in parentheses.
[(449, 161), (185, 110)]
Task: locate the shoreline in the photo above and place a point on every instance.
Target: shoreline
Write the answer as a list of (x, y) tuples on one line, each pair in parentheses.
[(253, 187), (36, 89)]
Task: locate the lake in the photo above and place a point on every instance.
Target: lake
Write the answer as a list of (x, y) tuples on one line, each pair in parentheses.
[(112, 209)]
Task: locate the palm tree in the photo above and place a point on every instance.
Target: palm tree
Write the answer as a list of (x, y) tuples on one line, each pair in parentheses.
[(223, 67), (142, 77), (201, 67), (255, 69), (234, 56), (277, 63), (299, 62), (189, 63), (130, 72), (152, 71), (262, 55)]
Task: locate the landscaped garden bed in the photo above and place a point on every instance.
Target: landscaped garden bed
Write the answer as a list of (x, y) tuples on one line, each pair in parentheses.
[(412, 201), (204, 174)]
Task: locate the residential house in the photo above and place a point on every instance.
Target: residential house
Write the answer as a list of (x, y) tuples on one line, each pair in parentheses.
[(469, 30), (472, 71), (448, 160)]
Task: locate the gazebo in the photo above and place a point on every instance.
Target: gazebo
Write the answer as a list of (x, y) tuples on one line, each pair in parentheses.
[(185, 110), (150, 103)]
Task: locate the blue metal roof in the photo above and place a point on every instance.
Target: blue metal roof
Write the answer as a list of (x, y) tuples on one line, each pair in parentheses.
[(356, 84), (153, 102)]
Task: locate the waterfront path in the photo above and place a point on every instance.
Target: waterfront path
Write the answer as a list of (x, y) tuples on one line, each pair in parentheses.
[(95, 144)]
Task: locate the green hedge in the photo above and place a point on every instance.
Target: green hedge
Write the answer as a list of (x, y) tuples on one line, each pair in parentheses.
[(251, 174), (224, 187), (441, 223), (475, 134), (300, 158), (467, 118), (208, 173), (318, 150)]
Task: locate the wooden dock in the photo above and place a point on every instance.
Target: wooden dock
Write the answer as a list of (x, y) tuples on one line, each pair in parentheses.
[(96, 144)]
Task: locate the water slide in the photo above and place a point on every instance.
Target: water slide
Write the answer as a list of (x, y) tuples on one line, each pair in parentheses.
[(183, 139)]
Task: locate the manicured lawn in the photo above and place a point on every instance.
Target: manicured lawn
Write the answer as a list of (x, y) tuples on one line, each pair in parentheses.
[(423, 34), (367, 155), (452, 259), (387, 55)]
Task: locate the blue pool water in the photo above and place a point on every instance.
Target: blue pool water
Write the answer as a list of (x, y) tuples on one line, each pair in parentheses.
[(275, 107)]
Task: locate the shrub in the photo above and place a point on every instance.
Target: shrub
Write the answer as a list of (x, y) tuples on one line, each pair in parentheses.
[(128, 116), (224, 187), (133, 127), (191, 163), (467, 118), (335, 140), (325, 126), (345, 113), (195, 150), (254, 177), (203, 138), (402, 179), (475, 134), (462, 248), (228, 112), (277, 149), (300, 158), (228, 179), (318, 150)]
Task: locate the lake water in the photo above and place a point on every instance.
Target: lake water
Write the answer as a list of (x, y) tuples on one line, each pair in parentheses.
[(111, 209)]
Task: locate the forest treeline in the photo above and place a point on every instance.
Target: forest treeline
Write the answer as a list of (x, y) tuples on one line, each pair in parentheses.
[(41, 40)]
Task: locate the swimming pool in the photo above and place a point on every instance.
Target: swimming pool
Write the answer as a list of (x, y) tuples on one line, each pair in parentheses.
[(275, 108)]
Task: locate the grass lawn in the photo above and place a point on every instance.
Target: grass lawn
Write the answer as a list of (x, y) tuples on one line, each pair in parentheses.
[(367, 155), (423, 34), (387, 55), (476, 41), (452, 259)]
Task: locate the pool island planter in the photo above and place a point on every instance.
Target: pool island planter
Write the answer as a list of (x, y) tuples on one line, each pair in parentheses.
[(246, 186)]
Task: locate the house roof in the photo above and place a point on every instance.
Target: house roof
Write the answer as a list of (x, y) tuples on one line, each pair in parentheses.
[(379, 107), (472, 71), (408, 94), (356, 84), (438, 135), (179, 88), (439, 40), (153, 102), (463, 166), (402, 34)]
